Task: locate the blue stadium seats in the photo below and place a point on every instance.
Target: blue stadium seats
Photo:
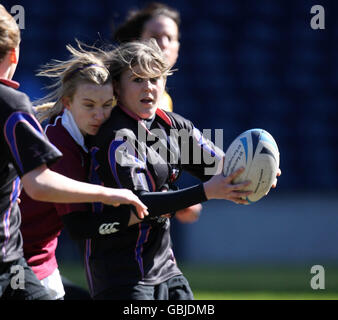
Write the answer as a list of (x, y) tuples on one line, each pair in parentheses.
[(242, 64)]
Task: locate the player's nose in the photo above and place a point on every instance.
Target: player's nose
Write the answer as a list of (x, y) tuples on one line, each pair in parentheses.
[(99, 115), (163, 42), (147, 85)]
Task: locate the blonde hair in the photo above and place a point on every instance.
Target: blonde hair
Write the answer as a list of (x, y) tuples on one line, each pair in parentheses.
[(84, 66), (147, 55), (9, 32)]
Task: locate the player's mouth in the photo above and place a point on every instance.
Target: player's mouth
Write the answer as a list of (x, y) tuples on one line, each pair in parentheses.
[(95, 126), (147, 100)]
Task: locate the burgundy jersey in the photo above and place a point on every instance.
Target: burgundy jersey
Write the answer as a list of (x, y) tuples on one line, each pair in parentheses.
[(24, 147), (41, 221)]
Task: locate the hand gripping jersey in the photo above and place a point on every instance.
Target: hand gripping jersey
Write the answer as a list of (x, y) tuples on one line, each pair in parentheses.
[(23, 147), (143, 156)]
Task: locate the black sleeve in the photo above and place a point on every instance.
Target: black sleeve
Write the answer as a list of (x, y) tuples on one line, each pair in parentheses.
[(199, 156), (89, 225), (159, 203), (25, 139), (205, 158)]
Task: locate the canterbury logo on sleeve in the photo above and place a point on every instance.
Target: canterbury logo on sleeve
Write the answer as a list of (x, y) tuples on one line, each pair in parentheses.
[(108, 228)]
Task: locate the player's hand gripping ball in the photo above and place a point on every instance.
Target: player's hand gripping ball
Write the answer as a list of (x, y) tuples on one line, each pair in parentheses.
[(257, 151)]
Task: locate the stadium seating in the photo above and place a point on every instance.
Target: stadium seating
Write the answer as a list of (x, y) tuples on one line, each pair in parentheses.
[(242, 64)]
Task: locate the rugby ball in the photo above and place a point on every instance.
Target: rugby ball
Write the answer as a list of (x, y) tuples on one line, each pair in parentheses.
[(257, 151)]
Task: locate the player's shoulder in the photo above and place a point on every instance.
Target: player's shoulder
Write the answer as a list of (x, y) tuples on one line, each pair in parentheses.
[(13, 100), (54, 127), (58, 135), (174, 120), (118, 123), (118, 120)]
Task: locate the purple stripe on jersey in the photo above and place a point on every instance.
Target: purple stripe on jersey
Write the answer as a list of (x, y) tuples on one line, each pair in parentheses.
[(150, 181), (115, 144), (144, 230), (140, 175), (202, 142), (9, 131), (112, 159), (87, 257), (97, 207), (12, 198), (148, 176)]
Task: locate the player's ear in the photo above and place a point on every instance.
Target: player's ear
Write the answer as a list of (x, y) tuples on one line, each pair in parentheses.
[(13, 57), (66, 102)]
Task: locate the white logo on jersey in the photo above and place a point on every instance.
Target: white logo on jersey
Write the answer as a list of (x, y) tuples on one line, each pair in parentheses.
[(108, 228)]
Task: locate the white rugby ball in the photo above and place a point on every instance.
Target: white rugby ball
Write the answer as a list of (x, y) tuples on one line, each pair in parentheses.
[(257, 151)]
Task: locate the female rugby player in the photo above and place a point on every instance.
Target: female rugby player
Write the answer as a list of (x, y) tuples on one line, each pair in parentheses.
[(162, 23), (144, 149)]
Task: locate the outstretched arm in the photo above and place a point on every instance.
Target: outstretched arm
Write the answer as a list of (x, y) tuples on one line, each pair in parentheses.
[(84, 225), (44, 184), (218, 187)]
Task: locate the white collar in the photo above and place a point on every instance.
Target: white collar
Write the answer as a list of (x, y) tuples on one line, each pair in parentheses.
[(69, 123)]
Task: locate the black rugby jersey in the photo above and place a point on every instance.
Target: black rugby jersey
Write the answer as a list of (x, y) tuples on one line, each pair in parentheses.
[(144, 156), (23, 147)]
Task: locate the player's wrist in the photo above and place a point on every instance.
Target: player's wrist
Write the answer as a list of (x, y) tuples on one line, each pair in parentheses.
[(207, 190), (104, 194)]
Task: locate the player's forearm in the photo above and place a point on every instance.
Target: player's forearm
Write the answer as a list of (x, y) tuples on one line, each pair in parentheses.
[(45, 185), (160, 203)]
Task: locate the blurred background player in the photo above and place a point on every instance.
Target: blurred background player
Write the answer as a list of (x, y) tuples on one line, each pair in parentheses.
[(26, 154), (161, 22)]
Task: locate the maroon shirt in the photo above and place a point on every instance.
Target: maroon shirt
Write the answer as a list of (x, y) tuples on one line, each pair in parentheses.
[(41, 221)]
